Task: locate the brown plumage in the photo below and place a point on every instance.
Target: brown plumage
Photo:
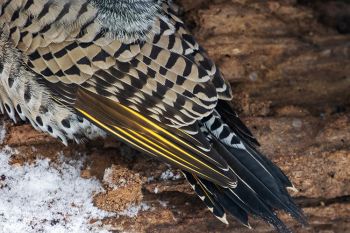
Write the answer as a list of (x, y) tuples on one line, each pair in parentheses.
[(74, 73)]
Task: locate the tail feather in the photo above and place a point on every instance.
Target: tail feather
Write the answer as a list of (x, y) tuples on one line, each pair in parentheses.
[(268, 188), (207, 197), (217, 194), (239, 202), (261, 187), (272, 168), (232, 207), (230, 203), (255, 206), (231, 118)]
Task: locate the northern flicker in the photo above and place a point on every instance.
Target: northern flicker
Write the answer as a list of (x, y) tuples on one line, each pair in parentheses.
[(80, 69)]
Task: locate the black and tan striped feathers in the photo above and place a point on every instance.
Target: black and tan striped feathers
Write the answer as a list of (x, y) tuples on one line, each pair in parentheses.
[(167, 77), (62, 42)]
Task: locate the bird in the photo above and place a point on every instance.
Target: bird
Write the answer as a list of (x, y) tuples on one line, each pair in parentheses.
[(84, 69)]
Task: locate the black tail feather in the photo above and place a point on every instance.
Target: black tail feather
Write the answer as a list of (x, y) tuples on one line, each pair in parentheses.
[(230, 117), (239, 202), (273, 169), (267, 187), (218, 194), (207, 197), (261, 187)]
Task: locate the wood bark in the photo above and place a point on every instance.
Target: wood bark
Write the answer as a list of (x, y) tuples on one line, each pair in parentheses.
[(289, 65)]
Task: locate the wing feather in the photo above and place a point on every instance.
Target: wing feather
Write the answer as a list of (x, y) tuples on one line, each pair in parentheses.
[(158, 140), (167, 78)]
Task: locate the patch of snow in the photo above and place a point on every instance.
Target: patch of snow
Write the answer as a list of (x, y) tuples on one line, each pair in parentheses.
[(134, 210), (40, 197), (2, 132), (108, 178), (169, 175)]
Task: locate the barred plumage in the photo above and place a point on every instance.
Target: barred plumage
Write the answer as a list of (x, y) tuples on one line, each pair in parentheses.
[(83, 68)]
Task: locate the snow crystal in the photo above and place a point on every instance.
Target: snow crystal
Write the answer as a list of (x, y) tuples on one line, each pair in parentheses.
[(42, 198), (134, 210), (108, 178), (2, 132), (169, 175)]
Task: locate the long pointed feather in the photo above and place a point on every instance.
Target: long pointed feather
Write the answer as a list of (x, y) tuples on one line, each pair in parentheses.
[(209, 200), (145, 133)]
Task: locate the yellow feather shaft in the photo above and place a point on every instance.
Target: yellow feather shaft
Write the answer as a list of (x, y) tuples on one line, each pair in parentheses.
[(168, 142), (160, 147), (110, 130)]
